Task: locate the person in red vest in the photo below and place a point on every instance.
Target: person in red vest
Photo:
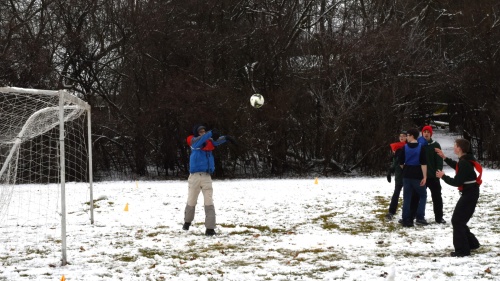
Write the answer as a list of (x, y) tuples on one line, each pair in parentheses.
[(201, 167), (468, 184), (396, 148)]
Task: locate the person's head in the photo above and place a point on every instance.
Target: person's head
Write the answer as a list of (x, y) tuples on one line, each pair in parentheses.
[(413, 134), (427, 132), (199, 130), (402, 136), (462, 146)]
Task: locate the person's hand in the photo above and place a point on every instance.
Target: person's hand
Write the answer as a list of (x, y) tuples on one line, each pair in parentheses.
[(440, 153), (389, 175), (439, 173), (215, 134), (423, 181), (231, 140)]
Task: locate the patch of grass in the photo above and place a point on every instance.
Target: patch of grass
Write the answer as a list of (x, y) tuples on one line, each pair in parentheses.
[(219, 246), (139, 234), (126, 258), (361, 227), (261, 228), (325, 221), (239, 263), (327, 269), (449, 274), (150, 253), (408, 254), (41, 252), (226, 225), (187, 255), (121, 244), (154, 234), (240, 232)]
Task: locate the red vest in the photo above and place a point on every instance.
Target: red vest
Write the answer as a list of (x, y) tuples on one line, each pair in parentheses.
[(478, 168), (209, 146), (397, 145)]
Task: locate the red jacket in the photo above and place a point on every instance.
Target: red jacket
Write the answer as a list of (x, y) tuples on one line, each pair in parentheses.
[(209, 146)]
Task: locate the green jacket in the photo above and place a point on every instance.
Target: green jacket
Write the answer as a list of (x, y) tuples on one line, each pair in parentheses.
[(434, 161), (398, 172)]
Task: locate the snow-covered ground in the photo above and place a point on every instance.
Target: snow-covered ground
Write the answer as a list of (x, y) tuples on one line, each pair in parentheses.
[(268, 230)]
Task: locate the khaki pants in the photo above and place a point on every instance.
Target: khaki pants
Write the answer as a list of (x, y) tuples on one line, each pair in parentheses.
[(200, 182)]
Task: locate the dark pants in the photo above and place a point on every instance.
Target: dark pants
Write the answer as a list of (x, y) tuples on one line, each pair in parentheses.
[(412, 186), (395, 200), (437, 201), (463, 239)]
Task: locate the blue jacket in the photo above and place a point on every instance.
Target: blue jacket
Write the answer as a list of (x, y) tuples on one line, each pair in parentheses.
[(203, 160)]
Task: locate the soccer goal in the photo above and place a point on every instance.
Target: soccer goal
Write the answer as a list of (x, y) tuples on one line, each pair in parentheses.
[(45, 143)]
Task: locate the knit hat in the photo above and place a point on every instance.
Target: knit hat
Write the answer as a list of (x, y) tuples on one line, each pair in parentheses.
[(197, 128), (427, 128)]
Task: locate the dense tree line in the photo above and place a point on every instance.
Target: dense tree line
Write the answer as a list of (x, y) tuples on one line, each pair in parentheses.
[(340, 77)]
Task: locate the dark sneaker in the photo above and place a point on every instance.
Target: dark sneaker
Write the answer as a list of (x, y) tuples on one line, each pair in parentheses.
[(210, 232), (475, 247), (458, 254), (440, 221), (186, 226), (389, 216), (421, 222), (405, 224)]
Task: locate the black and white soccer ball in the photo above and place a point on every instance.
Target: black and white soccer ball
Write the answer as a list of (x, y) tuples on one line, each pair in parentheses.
[(257, 100)]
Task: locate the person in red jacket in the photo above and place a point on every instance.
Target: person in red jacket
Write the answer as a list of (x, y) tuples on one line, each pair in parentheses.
[(468, 184)]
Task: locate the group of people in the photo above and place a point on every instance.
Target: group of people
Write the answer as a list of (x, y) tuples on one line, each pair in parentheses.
[(418, 165)]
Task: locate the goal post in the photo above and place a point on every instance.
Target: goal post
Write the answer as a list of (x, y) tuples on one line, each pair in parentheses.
[(45, 138)]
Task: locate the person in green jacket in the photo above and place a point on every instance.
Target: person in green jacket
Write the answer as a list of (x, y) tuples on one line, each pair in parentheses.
[(398, 178), (468, 184), (434, 163)]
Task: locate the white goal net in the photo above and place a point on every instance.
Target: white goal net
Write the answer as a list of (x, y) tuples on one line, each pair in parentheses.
[(44, 144)]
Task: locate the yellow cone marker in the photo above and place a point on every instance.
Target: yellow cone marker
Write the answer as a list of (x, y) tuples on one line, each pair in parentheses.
[(126, 207), (136, 184), (63, 278), (316, 181)]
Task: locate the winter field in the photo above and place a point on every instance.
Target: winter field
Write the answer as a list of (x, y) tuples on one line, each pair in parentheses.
[(292, 229)]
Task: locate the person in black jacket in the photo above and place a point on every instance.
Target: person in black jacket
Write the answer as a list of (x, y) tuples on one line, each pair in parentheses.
[(467, 181)]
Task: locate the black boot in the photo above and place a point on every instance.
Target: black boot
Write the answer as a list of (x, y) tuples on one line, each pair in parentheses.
[(210, 232), (186, 226)]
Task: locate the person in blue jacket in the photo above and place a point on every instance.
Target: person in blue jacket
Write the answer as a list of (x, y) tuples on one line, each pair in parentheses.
[(201, 167), (413, 161)]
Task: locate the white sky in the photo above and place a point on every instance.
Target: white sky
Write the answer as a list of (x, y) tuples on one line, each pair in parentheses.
[(288, 229)]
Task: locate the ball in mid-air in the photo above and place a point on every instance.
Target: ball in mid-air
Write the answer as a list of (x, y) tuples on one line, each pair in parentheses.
[(257, 100)]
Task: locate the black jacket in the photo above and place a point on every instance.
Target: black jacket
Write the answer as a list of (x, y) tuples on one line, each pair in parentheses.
[(466, 172)]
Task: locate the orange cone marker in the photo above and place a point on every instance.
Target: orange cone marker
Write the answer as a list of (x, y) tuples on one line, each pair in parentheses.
[(63, 278), (126, 207), (316, 181)]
